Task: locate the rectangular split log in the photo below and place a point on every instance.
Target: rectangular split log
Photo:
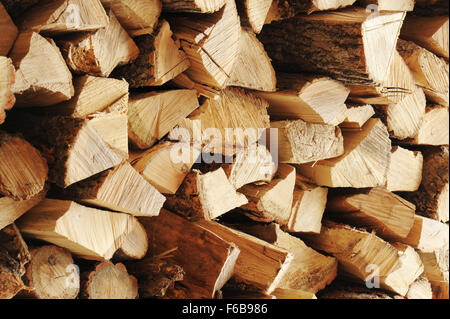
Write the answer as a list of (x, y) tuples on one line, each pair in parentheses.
[(253, 13)]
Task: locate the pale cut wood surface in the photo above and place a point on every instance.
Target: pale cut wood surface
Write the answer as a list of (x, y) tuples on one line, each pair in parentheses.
[(253, 13), (7, 78), (199, 6), (405, 170)]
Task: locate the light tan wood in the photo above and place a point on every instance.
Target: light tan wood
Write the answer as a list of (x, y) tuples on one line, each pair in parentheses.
[(300, 142), (387, 5), (135, 15), (42, 76), (357, 116), (64, 16), (76, 228), (405, 170), (434, 127), (184, 82), (436, 265), (312, 99), (253, 13), (365, 161), (420, 289), (7, 78), (253, 69), (200, 6), (135, 244), (152, 115), (281, 293), (8, 30), (99, 53)]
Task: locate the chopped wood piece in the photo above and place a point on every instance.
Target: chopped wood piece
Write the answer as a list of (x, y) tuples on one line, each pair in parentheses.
[(205, 196), (260, 265), (375, 209), (357, 116), (120, 189), (17, 7), (211, 43), (432, 34), (203, 6), (434, 127), (64, 16), (160, 59), (7, 78), (405, 170), (365, 161), (387, 5), (282, 293), (152, 115), (345, 290), (184, 82), (359, 252), (364, 59), (273, 201), (436, 265), (8, 30), (42, 76), (300, 142), (99, 53), (440, 289), (87, 232), (190, 246), (136, 16), (253, 69), (135, 243), (23, 171), (164, 167), (312, 99), (240, 111), (51, 274), (420, 289), (109, 281), (281, 10), (253, 13)]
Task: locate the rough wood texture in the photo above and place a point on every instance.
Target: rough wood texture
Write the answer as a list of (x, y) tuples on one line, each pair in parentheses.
[(7, 78), (420, 289), (365, 161), (405, 170), (8, 30), (253, 13), (434, 127), (135, 244), (357, 116), (198, 6)]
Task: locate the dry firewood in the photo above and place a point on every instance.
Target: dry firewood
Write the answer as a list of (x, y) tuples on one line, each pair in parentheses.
[(432, 34), (99, 53), (200, 6), (281, 10), (152, 115), (8, 30), (300, 142), (76, 228), (312, 99), (420, 289), (430, 72), (364, 59), (184, 82), (357, 116), (7, 78), (253, 69), (205, 196), (211, 43), (135, 243), (64, 16), (253, 13), (440, 290), (191, 245), (345, 290), (260, 265), (160, 59), (273, 201), (108, 281), (51, 274), (120, 189), (387, 5), (136, 16), (405, 170), (436, 265), (163, 167), (365, 161), (16, 7), (282, 293)]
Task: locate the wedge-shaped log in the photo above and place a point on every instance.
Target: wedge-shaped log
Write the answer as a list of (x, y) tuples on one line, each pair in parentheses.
[(420, 289), (405, 170), (387, 5), (198, 6), (436, 265), (7, 78), (282, 293), (135, 244), (357, 116), (434, 127), (253, 13), (9, 31)]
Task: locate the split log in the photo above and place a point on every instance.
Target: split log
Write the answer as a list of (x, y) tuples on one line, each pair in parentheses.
[(42, 76), (357, 116), (160, 59), (300, 142), (184, 82), (99, 53), (436, 265), (376, 209), (253, 69), (312, 99), (387, 5), (432, 34), (273, 201), (281, 293), (135, 243), (152, 115), (405, 170), (345, 290), (163, 166), (109, 281), (281, 10), (120, 189), (76, 228), (253, 13), (16, 7), (364, 59), (51, 274), (198, 6), (420, 289), (171, 232), (64, 16), (211, 43), (7, 78), (365, 161), (8, 30), (433, 129), (205, 196), (136, 16), (440, 290)]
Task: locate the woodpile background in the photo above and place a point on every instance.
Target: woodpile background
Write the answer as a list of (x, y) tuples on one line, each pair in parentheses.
[(96, 95)]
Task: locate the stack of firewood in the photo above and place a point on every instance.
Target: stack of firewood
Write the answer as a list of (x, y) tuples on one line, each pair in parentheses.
[(224, 149)]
